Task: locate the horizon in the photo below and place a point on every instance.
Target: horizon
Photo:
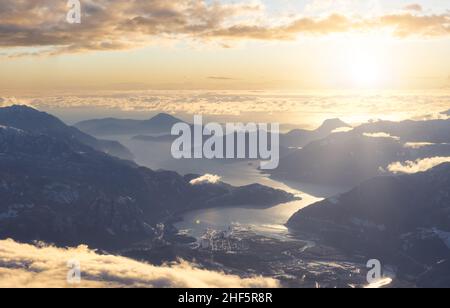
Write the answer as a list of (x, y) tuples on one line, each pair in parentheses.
[(304, 109)]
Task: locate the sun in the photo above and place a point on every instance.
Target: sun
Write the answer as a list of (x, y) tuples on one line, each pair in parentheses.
[(364, 71)]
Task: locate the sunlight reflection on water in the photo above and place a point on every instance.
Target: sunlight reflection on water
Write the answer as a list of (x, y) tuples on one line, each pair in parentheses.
[(269, 222)]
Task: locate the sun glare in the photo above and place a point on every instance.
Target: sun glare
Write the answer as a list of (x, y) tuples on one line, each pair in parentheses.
[(365, 71)]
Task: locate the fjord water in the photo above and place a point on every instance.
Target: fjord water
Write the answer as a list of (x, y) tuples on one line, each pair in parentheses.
[(269, 222)]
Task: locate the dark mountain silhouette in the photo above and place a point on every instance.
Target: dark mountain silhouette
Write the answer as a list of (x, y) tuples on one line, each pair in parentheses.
[(162, 138), (29, 119), (352, 157), (295, 138), (434, 131), (340, 159), (168, 139), (160, 124), (401, 219), (60, 190), (300, 137)]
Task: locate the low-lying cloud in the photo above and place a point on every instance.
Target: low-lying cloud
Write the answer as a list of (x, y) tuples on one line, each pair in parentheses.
[(237, 103), (413, 7), (417, 145), (23, 265), (206, 179), (117, 25), (420, 165), (381, 135), (342, 130)]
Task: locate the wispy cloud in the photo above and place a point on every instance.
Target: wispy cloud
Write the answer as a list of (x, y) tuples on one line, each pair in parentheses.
[(417, 145), (117, 25), (221, 78), (23, 265), (240, 103), (413, 7), (420, 165)]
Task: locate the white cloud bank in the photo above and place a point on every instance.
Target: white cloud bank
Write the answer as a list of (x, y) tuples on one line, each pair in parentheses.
[(383, 106), (23, 265), (342, 130), (419, 165), (206, 179)]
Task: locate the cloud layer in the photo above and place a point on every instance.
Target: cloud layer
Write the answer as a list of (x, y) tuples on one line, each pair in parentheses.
[(115, 25), (23, 265), (421, 165), (238, 106)]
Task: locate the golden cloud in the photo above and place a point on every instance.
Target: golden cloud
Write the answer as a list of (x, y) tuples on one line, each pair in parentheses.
[(115, 25), (420, 165), (23, 265)]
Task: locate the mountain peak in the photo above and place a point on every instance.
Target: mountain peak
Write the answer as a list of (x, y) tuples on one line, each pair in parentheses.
[(20, 108), (161, 121), (332, 124), (159, 124), (164, 118), (28, 118), (34, 121)]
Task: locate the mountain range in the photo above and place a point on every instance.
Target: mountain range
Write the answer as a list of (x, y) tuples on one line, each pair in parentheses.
[(29, 119), (348, 158), (56, 189), (403, 220), (293, 139), (432, 131), (300, 137), (337, 154), (159, 124)]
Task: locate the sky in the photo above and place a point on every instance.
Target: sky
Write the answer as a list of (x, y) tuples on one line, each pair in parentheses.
[(225, 45)]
